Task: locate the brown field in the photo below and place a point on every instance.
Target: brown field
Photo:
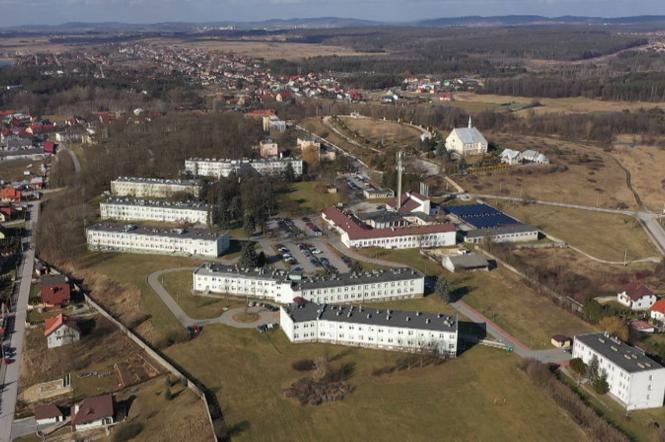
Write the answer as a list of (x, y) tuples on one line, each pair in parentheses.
[(602, 235), (391, 133), (579, 174), (647, 169), (29, 45), (594, 279), (180, 418), (13, 169), (116, 361), (260, 49), (549, 105)]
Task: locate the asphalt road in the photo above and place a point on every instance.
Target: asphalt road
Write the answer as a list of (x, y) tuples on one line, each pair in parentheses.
[(10, 375), (24, 427), (226, 318)]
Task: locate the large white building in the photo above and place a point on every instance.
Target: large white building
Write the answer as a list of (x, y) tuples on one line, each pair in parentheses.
[(137, 209), (635, 380), (112, 237), (280, 287), (304, 321), (217, 168), (466, 141), (354, 233), (140, 187)]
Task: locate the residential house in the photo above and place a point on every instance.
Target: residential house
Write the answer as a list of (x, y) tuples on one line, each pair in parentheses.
[(56, 290), (533, 157), (10, 194), (268, 148), (636, 297), (93, 412), (509, 156), (658, 311), (61, 330), (48, 414)]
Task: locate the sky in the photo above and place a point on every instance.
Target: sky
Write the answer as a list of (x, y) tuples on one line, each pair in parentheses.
[(18, 12)]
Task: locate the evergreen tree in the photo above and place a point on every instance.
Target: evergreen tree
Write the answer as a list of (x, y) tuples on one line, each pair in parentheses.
[(248, 258), (444, 289)]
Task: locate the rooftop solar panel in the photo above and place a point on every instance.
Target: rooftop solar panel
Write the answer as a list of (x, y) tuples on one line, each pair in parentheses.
[(481, 216)]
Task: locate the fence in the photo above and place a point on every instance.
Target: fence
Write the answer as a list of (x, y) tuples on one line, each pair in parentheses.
[(157, 357)]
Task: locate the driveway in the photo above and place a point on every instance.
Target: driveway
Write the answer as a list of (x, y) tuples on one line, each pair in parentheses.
[(226, 318)]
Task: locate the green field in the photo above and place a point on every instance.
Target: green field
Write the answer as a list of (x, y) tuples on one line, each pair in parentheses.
[(133, 270), (499, 295), (304, 198), (471, 398), (179, 285)]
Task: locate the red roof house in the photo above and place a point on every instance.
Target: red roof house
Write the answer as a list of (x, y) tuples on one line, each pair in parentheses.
[(93, 412), (55, 290), (10, 194), (50, 147)]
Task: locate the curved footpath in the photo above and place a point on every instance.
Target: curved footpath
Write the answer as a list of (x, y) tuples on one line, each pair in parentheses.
[(226, 318)]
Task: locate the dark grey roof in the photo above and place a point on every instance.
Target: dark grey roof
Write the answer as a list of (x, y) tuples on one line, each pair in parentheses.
[(468, 260), (383, 216), (502, 230), (310, 311), (628, 358), (145, 230), (174, 181), (127, 201), (211, 269), (383, 275), (313, 282), (49, 280)]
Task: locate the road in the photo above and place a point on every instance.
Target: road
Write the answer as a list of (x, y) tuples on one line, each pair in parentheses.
[(74, 157), (226, 318), (24, 427), (16, 331), (649, 220)]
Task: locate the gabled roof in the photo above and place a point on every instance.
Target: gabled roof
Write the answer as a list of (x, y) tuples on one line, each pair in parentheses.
[(659, 306), (93, 409), (47, 411), (469, 135), (52, 324), (636, 290)]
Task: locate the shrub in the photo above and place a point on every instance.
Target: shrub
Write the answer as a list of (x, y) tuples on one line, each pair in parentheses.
[(303, 365), (127, 432), (168, 394)]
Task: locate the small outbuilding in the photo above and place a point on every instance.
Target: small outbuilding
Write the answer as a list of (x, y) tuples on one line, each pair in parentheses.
[(561, 341), (49, 414), (466, 262)]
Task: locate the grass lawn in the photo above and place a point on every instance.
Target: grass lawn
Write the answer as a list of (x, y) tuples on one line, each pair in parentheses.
[(500, 295), (179, 285), (133, 269), (602, 235), (640, 425), (304, 198), (471, 398)]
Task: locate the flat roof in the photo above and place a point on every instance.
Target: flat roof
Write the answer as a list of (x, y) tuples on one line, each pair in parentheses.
[(154, 231), (128, 201), (631, 359), (312, 282), (243, 161), (173, 181), (512, 228), (310, 311)]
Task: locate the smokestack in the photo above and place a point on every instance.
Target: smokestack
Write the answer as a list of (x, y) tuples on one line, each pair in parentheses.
[(399, 180)]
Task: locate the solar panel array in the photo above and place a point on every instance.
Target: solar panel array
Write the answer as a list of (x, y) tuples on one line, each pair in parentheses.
[(481, 216)]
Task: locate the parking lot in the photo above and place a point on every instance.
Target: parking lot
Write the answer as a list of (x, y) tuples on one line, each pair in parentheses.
[(311, 255)]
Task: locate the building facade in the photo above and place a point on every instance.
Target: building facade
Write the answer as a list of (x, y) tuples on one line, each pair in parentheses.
[(218, 168), (304, 321), (510, 233), (137, 209), (355, 234), (635, 380), (128, 238), (280, 287), (154, 187), (466, 141)]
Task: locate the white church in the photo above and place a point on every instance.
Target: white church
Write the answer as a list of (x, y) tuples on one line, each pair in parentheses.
[(466, 141)]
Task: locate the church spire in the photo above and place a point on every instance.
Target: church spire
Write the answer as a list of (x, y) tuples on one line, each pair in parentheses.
[(470, 122)]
